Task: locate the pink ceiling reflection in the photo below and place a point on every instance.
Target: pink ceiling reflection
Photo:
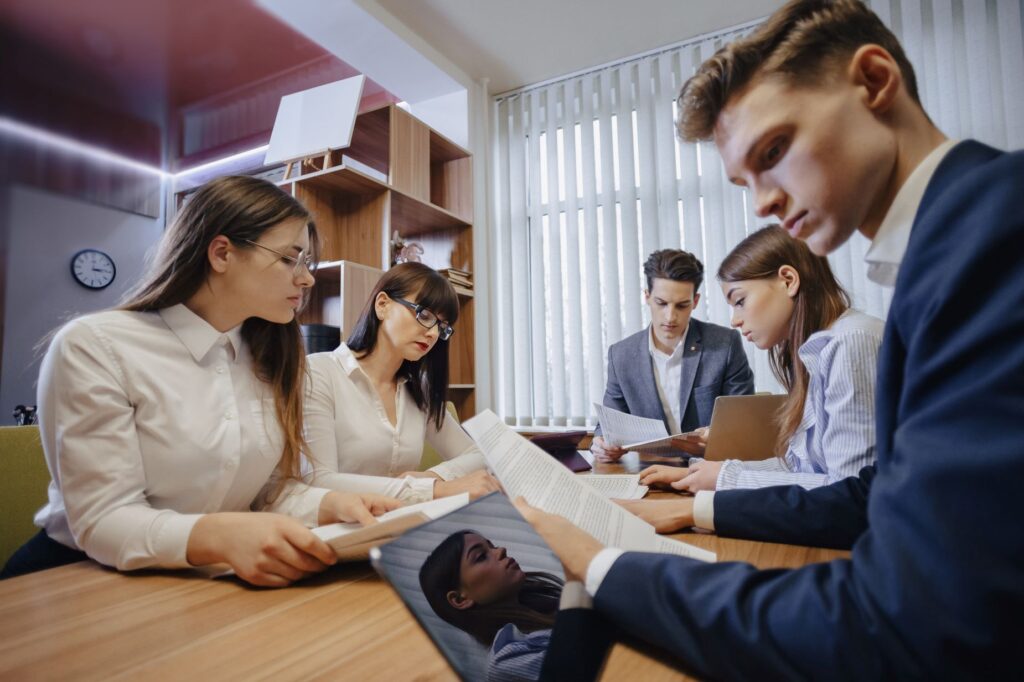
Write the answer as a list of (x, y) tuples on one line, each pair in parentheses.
[(167, 82)]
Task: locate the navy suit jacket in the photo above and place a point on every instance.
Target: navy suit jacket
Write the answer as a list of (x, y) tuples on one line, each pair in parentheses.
[(935, 585), (713, 364)]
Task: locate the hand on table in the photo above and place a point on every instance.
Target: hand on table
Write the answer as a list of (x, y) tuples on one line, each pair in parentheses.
[(667, 516), (264, 549), (662, 475), (604, 452), (575, 548), (354, 507), (702, 475), (694, 442), (477, 484)]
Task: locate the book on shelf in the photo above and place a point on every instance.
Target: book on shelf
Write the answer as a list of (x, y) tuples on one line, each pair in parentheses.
[(458, 278)]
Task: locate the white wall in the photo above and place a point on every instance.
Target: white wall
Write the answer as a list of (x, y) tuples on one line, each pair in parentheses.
[(44, 231)]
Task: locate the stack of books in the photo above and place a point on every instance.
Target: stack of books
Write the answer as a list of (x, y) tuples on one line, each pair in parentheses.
[(460, 280)]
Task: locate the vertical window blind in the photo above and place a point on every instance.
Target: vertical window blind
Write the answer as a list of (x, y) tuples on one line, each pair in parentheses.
[(589, 178)]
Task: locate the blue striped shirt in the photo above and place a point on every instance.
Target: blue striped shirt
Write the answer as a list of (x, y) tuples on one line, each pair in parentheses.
[(836, 437), (517, 657)]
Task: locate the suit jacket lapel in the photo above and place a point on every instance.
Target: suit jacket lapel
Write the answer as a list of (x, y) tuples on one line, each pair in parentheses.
[(645, 374), (692, 349)]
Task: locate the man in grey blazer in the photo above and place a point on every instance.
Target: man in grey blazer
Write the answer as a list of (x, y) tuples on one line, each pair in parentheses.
[(674, 369)]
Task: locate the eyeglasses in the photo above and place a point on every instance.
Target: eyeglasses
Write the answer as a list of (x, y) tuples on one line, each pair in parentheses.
[(303, 260), (427, 319)]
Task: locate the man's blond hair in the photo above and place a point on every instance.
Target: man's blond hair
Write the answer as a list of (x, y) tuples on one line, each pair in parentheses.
[(803, 42)]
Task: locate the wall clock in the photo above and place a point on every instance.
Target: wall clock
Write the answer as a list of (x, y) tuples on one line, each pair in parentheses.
[(93, 269)]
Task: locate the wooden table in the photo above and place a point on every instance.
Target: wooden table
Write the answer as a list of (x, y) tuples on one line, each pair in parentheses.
[(85, 622)]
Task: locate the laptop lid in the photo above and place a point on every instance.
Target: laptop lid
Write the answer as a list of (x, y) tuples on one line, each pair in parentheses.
[(744, 427)]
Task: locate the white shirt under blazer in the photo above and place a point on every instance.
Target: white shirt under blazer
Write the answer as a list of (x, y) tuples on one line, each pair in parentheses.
[(353, 447), (150, 420)]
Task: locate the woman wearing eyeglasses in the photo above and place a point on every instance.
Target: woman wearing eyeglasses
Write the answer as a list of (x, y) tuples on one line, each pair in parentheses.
[(169, 420), (375, 400)]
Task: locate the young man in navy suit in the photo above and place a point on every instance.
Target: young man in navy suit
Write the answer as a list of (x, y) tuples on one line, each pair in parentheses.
[(817, 114), (674, 369)]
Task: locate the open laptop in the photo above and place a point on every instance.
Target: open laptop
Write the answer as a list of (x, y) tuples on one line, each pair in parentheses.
[(744, 427)]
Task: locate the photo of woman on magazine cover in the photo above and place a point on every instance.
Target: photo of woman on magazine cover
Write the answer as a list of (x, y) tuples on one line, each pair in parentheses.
[(475, 585)]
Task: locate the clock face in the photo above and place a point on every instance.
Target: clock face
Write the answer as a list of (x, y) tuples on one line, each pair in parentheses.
[(93, 269)]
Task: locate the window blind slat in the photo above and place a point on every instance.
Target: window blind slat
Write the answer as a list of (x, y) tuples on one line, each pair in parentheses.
[(538, 318), (575, 377), (594, 344), (556, 334)]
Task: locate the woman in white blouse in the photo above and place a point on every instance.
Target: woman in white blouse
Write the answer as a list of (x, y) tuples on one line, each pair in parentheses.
[(375, 400), (787, 301), (166, 420)]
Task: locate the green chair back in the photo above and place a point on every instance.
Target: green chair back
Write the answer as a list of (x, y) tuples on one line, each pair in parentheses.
[(430, 457), (22, 486)]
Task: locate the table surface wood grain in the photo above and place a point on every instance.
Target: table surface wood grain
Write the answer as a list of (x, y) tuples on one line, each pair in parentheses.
[(86, 622)]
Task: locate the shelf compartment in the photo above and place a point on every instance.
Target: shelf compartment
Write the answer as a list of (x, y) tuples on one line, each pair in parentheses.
[(412, 216)]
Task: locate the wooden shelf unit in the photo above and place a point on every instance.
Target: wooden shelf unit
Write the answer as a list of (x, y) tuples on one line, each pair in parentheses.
[(425, 192)]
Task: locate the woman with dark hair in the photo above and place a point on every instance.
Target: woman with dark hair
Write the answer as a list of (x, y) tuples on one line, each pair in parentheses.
[(164, 418), (475, 586), (786, 300), (375, 400)]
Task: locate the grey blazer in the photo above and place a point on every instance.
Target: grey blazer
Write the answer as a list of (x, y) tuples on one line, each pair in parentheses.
[(714, 364)]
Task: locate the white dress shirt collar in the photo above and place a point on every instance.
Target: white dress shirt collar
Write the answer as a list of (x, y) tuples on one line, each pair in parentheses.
[(890, 243), (198, 335), (676, 353), (350, 363)]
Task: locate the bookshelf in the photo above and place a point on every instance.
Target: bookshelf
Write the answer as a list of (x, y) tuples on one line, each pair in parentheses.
[(398, 174)]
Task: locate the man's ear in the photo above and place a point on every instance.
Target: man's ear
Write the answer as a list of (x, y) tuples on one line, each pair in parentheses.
[(459, 601), (874, 69), (218, 253), (696, 300), (790, 279)]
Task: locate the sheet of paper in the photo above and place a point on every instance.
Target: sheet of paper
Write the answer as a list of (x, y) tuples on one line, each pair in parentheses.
[(616, 486), (670, 546), (524, 469), (432, 509), (625, 430)]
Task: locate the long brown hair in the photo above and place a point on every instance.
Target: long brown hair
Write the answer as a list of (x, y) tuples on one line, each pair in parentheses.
[(240, 208), (536, 603), (818, 303), (428, 376)]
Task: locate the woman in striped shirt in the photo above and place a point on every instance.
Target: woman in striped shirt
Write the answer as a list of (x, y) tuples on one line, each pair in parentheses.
[(787, 301)]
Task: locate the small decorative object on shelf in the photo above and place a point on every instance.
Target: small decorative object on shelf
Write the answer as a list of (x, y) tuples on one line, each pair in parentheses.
[(403, 251), (25, 415)]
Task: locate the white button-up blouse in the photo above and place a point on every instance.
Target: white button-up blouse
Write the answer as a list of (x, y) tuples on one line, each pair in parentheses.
[(353, 446), (148, 421)]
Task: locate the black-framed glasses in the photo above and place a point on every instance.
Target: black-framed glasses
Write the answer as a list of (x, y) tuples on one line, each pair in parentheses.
[(303, 260), (427, 319)]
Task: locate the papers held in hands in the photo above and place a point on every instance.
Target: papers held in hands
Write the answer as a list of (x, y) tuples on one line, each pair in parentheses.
[(525, 470), (634, 433), (351, 541), (562, 446)]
